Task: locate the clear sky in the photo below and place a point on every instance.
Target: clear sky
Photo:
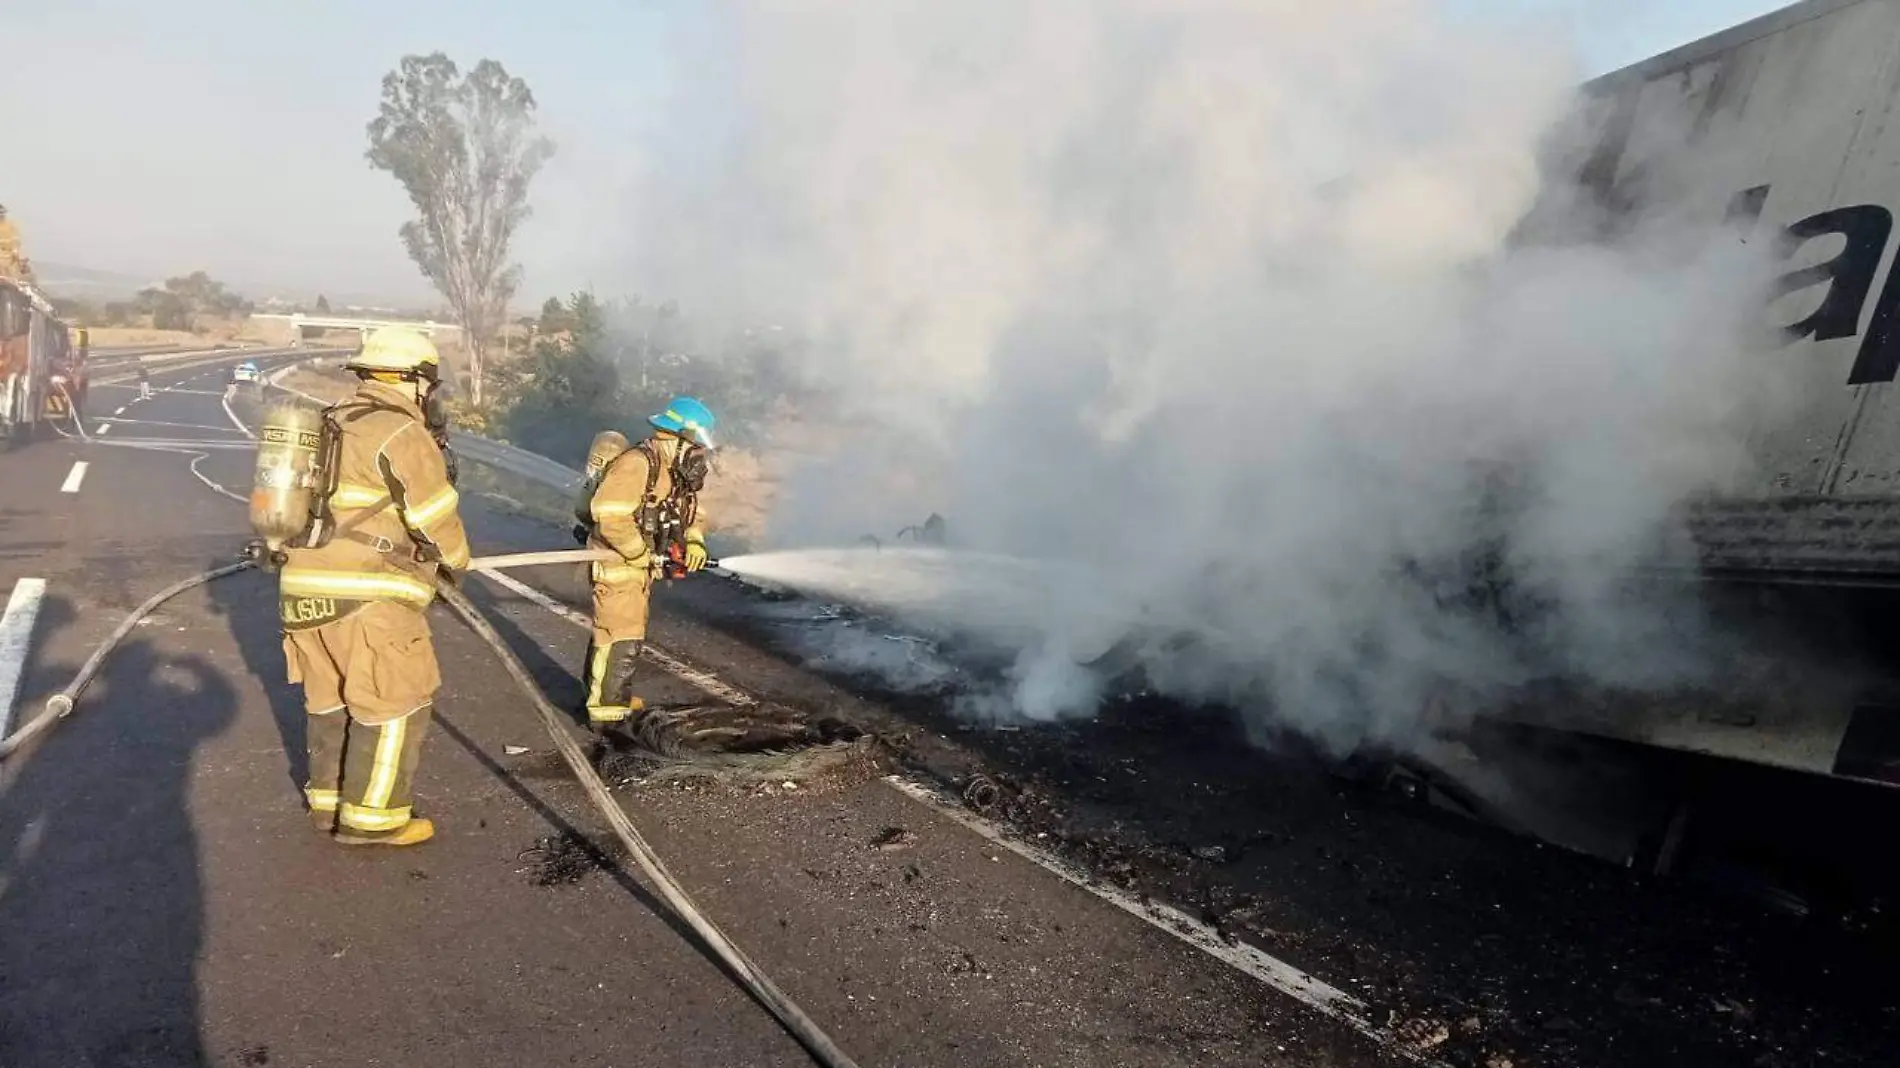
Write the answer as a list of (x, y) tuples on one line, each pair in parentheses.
[(228, 135)]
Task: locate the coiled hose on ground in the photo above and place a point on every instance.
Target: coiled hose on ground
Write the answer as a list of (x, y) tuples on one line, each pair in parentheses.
[(741, 967)]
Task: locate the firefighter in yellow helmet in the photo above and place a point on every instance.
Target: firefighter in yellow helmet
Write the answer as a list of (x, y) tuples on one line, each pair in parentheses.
[(354, 631), (645, 509)]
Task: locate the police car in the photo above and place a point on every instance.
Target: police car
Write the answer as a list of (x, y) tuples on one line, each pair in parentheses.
[(246, 372)]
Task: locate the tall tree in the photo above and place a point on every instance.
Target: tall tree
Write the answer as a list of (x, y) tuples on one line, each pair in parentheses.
[(465, 149), (323, 304), (554, 317), (573, 390), (178, 305)]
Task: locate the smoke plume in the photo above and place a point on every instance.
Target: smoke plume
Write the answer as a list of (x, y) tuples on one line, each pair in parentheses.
[(1215, 305)]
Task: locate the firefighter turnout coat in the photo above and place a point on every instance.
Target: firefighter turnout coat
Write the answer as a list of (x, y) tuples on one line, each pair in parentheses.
[(355, 635), (632, 485)]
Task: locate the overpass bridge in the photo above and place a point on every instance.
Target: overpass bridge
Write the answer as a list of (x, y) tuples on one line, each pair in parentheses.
[(292, 328)]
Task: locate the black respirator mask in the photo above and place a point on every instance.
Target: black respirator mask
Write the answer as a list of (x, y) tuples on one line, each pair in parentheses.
[(435, 408), (435, 417), (691, 467)]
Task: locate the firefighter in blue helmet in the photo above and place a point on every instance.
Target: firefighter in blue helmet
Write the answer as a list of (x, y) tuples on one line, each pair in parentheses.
[(645, 509)]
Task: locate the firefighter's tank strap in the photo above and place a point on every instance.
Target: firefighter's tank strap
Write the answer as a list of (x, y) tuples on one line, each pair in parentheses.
[(351, 410), (653, 466), (645, 448)]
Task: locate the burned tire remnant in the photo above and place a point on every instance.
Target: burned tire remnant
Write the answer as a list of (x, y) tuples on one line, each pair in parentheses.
[(737, 745)]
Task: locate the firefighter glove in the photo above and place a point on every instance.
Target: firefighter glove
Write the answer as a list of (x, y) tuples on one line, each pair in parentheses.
[(695, 555)]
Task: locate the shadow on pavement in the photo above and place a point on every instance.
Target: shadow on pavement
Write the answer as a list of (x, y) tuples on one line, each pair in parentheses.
[(248, 603), (100, 880)]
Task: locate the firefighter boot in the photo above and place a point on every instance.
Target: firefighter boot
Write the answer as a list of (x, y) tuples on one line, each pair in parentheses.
[(415, 832), (611, 703)]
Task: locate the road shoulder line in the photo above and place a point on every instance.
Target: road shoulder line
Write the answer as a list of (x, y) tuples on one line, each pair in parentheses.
[(16, 636), (1249, 960), (225, 400)]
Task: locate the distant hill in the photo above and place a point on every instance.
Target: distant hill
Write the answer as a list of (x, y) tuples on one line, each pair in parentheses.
[(100, 287), (85, 283)]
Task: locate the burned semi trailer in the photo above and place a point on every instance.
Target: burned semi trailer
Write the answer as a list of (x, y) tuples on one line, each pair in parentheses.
[(1788, 129)]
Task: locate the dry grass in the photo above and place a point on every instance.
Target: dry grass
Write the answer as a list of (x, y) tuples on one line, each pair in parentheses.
[(739, 495), (209, 332), (112, 336), (327, 386)]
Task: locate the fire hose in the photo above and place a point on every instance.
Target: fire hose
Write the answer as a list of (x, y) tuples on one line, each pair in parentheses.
[(60, 705), (673, 563), (737, 964), (72, 412), (748, 974)]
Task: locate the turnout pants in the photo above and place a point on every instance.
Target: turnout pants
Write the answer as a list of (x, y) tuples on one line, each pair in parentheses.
[(369, 680), (621, 596)]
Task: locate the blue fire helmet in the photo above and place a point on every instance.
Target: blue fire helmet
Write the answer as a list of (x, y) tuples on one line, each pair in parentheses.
[(688, 418)]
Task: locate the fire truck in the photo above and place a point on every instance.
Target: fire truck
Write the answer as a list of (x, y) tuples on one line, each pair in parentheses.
[(66, 397), (39, 364)]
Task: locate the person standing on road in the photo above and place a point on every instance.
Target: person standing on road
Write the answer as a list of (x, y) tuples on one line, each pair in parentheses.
[(645, 510), (354, 631), (145, 382)]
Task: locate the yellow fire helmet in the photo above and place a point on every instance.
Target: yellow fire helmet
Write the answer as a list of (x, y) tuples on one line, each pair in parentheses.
[(393, 349)]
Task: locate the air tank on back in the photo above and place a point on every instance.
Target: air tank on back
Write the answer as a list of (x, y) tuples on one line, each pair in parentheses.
[(289, 449), (606, 448)]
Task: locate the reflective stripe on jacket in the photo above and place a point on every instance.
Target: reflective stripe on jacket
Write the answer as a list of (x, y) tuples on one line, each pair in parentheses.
[(618, 504), (393, 495)]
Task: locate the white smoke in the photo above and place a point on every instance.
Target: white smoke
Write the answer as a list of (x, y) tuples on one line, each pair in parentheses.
[(1211, 301)]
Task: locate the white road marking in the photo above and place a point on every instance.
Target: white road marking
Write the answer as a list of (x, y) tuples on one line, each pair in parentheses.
[(103, 427), (677, 668), (215, 488), (16, 634), (1324, 998), (120, 410), (235, 421), (541, 599), (1328, 1000), (181, 426), (181, 444), (73, 478)]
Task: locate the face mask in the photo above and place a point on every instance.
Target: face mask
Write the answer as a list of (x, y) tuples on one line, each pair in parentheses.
[(691, 467), (435, 410), (435, 418)]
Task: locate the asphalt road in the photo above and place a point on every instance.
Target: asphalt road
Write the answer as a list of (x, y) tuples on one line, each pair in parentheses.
[(164, 902)]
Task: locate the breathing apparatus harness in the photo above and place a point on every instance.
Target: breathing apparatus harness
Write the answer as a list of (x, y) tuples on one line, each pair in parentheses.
[(298, 471), (663, 521)]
